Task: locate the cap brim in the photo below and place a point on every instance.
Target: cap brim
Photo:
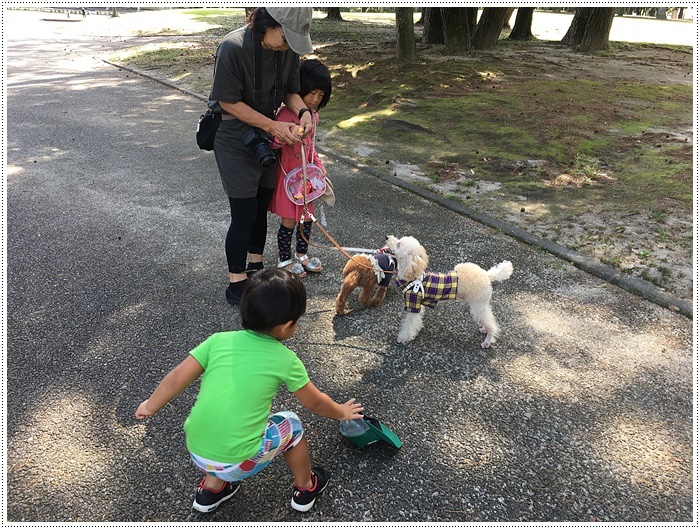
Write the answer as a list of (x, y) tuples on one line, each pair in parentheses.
[(384, 433), (300, 44)]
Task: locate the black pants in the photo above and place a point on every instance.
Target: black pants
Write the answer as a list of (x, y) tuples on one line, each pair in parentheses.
[(248, 228)]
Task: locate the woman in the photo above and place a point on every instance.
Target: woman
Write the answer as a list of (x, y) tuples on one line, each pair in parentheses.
[(247, 95)]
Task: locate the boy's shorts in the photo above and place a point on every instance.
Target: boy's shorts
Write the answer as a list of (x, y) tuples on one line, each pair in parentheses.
[(284, 431)]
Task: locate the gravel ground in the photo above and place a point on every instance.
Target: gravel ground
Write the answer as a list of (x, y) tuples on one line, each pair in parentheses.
[(582, 411)]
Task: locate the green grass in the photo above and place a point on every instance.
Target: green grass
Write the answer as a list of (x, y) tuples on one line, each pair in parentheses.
[(485, 112)]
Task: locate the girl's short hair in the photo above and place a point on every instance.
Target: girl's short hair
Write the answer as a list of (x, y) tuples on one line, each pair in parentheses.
[(260, 21), (272, 297), (314, 75)]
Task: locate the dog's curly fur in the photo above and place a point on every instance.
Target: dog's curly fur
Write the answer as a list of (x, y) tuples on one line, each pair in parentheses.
[(473, 286), (358, 273)]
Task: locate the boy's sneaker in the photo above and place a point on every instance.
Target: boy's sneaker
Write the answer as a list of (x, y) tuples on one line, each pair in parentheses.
[(207, 500), (303, 499)]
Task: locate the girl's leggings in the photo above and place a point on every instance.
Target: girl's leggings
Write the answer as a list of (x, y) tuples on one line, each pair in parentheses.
[(284, 240), (248, 228)]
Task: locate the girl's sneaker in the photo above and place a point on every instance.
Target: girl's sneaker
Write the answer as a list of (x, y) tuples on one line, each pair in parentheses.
[(207, 500), (303, 499)]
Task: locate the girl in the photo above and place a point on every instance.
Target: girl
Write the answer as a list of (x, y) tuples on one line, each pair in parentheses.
[(315, 92)]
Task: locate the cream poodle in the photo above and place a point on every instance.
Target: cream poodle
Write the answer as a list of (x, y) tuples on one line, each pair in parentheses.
[(423, 288)]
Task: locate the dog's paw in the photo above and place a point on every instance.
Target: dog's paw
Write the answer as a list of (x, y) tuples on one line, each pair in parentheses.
[(340, 307), (485, 344), (403, 338)]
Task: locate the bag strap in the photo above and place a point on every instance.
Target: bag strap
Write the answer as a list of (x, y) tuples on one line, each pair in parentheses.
[(279, 86), (257, 92), (303, 153)]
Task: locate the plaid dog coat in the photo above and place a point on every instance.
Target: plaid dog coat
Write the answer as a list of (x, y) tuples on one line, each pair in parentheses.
[(428, 289)]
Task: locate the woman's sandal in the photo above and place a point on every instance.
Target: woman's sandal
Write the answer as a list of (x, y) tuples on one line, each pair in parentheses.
[(291, 266), (312, 265)]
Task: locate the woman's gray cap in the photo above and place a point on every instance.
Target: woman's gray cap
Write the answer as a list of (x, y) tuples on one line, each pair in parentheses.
[(296, 24)]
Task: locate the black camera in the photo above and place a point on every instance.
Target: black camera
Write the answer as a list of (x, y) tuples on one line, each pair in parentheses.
[(259, 141)]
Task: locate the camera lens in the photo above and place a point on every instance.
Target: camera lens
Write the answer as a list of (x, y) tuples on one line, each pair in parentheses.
[(264, 154), (267, 161), (260, 143)]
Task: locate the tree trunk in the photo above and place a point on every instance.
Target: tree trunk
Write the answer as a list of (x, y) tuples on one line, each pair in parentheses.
[(661, 13), (597, 32), (432, 26), (455, 24), (506, 24), (574, 35), (489, 28), (405, 37), (333, 13), (523, 24), (472, 15)]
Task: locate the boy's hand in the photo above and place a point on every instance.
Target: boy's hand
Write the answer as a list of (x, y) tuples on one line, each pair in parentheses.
[(142, 412), (351, 410)]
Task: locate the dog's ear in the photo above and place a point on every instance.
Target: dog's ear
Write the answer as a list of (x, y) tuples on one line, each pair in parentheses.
[(412, 261), (422, 258)]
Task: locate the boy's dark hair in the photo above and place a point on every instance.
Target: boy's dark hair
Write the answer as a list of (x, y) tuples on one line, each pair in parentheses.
[(260, 21), (272, 297), (315, 76)]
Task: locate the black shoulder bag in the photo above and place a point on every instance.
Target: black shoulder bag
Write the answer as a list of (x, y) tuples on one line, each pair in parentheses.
[(206, 129)]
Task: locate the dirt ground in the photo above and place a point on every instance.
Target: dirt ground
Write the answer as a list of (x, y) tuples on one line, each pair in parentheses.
[(654, 243), (618, 236), (624, 237)]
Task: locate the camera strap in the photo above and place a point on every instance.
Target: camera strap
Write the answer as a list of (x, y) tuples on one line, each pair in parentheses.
[(279, 86)]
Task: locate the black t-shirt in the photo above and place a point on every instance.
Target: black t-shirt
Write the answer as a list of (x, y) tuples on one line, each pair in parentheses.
[(234, 73)]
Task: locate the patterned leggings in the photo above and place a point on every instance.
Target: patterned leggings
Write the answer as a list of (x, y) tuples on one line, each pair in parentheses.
[(284, 431), (284, 240)]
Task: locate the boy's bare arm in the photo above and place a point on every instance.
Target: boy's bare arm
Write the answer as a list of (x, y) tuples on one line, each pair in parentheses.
[(170, 387), (321, 404)]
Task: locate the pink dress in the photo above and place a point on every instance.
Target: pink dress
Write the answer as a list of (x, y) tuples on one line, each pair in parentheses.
[(290, 158)]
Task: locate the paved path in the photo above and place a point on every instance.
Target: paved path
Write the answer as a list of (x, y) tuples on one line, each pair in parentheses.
[(115, 220)]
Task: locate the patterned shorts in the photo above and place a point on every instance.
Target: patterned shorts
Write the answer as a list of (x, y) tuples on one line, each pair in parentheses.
[(284, 431)]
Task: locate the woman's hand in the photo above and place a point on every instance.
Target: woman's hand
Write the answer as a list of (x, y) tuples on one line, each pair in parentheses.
[(351, 410), (286, 132), (306, 123)]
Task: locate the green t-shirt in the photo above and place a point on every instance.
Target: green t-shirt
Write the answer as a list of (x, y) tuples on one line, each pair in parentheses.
[(242, 372)]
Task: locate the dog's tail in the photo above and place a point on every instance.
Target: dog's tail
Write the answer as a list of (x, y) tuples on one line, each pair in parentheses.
[(501, 271)]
